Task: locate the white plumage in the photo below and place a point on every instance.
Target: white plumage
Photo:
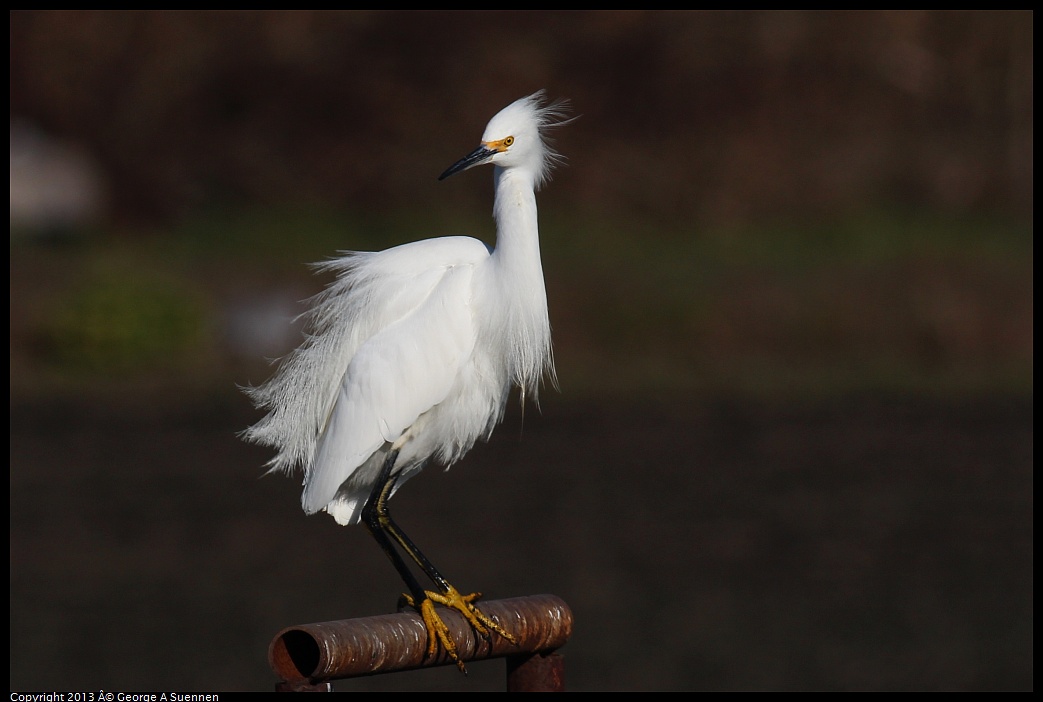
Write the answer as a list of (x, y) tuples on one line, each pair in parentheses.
[(416, 348)]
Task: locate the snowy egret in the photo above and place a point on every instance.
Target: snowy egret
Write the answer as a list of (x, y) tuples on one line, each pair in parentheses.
[(410, 357)]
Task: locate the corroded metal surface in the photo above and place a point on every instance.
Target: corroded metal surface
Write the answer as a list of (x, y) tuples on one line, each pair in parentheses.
[(536, 672), (394, 642)]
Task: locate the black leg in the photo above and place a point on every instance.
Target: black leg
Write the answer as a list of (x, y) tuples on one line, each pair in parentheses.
[(378, 520), (379, 523), (374, 513)]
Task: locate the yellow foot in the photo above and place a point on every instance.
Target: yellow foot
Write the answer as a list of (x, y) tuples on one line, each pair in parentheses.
[(437, 631)]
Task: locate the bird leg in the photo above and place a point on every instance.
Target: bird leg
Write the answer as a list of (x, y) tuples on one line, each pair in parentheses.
[(378, 521)]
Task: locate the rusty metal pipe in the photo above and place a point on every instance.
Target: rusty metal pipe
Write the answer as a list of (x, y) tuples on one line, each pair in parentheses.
[(536, 672), (395, 642)]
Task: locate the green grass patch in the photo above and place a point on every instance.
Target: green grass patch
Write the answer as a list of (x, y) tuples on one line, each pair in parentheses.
[(884, 299)]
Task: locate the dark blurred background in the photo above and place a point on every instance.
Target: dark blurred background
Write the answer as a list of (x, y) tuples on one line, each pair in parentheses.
[(790, 272)]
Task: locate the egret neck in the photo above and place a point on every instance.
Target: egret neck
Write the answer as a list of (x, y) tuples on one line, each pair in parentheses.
[(518, 273)]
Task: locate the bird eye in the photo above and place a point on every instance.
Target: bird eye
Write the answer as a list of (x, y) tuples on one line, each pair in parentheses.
[(508, 141)]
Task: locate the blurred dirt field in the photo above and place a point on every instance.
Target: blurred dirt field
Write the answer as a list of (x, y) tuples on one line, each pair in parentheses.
[(703, 544)]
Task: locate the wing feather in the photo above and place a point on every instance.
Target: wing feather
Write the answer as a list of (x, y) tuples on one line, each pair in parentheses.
[(363, 323), (397, 375)]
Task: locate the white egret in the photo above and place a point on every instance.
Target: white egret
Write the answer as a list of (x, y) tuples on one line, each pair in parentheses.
[(410, 357)]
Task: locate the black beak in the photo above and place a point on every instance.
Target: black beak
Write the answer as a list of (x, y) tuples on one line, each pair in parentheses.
[(475, 158)]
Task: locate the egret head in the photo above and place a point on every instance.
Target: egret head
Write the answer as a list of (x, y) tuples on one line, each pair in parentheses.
[(517, 138)]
